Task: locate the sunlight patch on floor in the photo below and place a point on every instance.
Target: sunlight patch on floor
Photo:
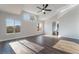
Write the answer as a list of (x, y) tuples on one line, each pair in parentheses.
[(67, 46), (19, 48)]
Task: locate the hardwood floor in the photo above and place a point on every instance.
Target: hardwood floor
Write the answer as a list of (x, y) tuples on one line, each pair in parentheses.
[(33, 45)]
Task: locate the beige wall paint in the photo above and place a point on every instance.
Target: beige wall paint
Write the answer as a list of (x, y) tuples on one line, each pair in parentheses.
[(27, 28)]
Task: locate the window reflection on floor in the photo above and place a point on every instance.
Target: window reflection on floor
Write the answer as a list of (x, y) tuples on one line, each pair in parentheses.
[(25, 47)]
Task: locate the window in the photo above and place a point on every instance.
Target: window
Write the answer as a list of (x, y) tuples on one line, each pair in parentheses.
[(13, 26), (26, 16), (10, 25), (17, 26)]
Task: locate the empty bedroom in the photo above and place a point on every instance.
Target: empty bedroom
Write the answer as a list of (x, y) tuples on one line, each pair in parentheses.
[(39, 28)]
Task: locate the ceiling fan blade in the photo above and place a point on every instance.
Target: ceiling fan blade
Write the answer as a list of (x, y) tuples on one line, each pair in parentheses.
[(39, 8), (46, 6), (48, 10)]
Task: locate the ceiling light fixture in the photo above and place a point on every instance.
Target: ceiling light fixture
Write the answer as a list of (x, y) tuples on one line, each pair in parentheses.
[(43, 10)]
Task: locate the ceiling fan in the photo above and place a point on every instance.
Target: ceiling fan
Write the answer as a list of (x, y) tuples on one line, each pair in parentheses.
[(44, 8)]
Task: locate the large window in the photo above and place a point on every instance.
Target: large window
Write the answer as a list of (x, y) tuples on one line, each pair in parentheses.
[(17, 26), (13, 25), (26, 16), (29, 17)]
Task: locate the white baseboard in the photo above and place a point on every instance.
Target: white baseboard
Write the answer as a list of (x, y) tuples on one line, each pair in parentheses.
[(18, 37)]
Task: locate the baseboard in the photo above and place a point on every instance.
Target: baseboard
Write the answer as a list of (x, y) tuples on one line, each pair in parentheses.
[(2, 40)]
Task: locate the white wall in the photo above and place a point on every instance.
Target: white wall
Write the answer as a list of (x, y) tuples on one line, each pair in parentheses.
[(48, 27), (69, 24), (27, 28)]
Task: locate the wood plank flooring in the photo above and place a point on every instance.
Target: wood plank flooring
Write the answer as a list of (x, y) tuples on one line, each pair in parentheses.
[(39, 44)]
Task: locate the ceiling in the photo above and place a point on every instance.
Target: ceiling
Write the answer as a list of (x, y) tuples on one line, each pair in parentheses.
[(31, 8)]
